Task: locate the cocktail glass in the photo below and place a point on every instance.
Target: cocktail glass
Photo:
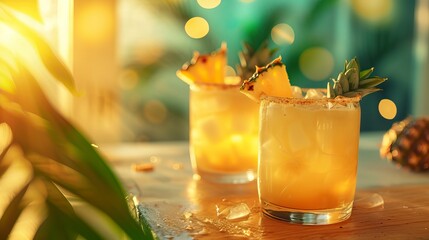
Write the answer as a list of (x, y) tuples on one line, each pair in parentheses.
[(223, 133), (308, 158)]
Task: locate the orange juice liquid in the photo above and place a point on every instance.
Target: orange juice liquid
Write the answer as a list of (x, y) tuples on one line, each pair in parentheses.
[(223, 130), (308, 154)]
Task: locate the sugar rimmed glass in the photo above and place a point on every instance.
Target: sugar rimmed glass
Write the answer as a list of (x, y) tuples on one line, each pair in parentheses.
[(308, 155)]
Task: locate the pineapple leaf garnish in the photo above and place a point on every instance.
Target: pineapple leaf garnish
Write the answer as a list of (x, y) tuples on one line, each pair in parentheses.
[(353, 82), (249, 58)]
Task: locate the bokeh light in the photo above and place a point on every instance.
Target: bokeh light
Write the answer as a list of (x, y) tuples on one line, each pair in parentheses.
[(128, 79), (142, 56), (231, 76), (230, 71), (374, 11), (283, 34), (155, 111), (209, 4), (422, 18), (387, 108), (197, 27), (316, 63)]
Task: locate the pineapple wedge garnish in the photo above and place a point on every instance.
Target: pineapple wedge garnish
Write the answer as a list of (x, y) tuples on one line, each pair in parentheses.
[(271, 80), (205, 68), (353, 82)]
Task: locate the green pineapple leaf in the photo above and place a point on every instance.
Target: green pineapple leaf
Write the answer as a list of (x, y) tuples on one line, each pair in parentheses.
[(249, 58), (366, 73), (353, 82), (371, 82)]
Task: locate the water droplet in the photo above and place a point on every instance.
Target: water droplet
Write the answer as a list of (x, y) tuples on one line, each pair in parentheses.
[(222, 212), (368, 200), (187, 215), (201, 232), (177, 166), (238, 211)]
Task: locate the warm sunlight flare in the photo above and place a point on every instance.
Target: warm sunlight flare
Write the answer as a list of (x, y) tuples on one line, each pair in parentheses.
[(11, 40), (283, 34), (94, 22), (316, 63), (6, 84), (209, 4), (374, 11), (197, 27), (387, 108)]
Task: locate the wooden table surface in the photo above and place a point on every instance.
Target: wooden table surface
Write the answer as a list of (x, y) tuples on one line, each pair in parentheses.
[(390, 203)]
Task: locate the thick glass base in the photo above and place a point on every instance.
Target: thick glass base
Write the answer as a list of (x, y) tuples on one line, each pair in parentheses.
[(227, 178), (307, 217)]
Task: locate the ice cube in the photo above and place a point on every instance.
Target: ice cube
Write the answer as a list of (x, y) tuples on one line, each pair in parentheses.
[(238, 211), (209, 128), (187, 215), (296, 92), (314, 94), (221, 211), (298, 139)]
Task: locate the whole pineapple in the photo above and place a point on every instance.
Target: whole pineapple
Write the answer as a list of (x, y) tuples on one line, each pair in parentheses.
[(407, 144)]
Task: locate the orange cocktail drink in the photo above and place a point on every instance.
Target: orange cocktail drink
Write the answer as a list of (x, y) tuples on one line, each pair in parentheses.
[(223, 122), (309, 142), (223, 133), (308, 158)]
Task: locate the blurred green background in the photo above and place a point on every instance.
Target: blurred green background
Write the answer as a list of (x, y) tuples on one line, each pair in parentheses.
[(154, 44)]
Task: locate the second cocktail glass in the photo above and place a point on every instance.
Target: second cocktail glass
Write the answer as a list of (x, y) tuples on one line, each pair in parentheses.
[(223, 133)]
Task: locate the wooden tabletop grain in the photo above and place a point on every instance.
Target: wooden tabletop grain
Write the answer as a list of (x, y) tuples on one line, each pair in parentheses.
[(390, 203)]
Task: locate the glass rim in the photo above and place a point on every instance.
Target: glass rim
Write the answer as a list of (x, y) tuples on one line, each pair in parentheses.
[(310, 101), (203, 85)]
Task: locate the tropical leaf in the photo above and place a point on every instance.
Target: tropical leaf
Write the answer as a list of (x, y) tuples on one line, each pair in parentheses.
[(319, 8), (12, 213), (62, 222), (28, 7), (179, 9), (46, 54), (64, 157), (7, 64), (58, 159)]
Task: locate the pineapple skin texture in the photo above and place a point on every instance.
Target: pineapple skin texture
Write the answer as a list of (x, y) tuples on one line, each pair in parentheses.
[(407, 144), (205, 68)]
